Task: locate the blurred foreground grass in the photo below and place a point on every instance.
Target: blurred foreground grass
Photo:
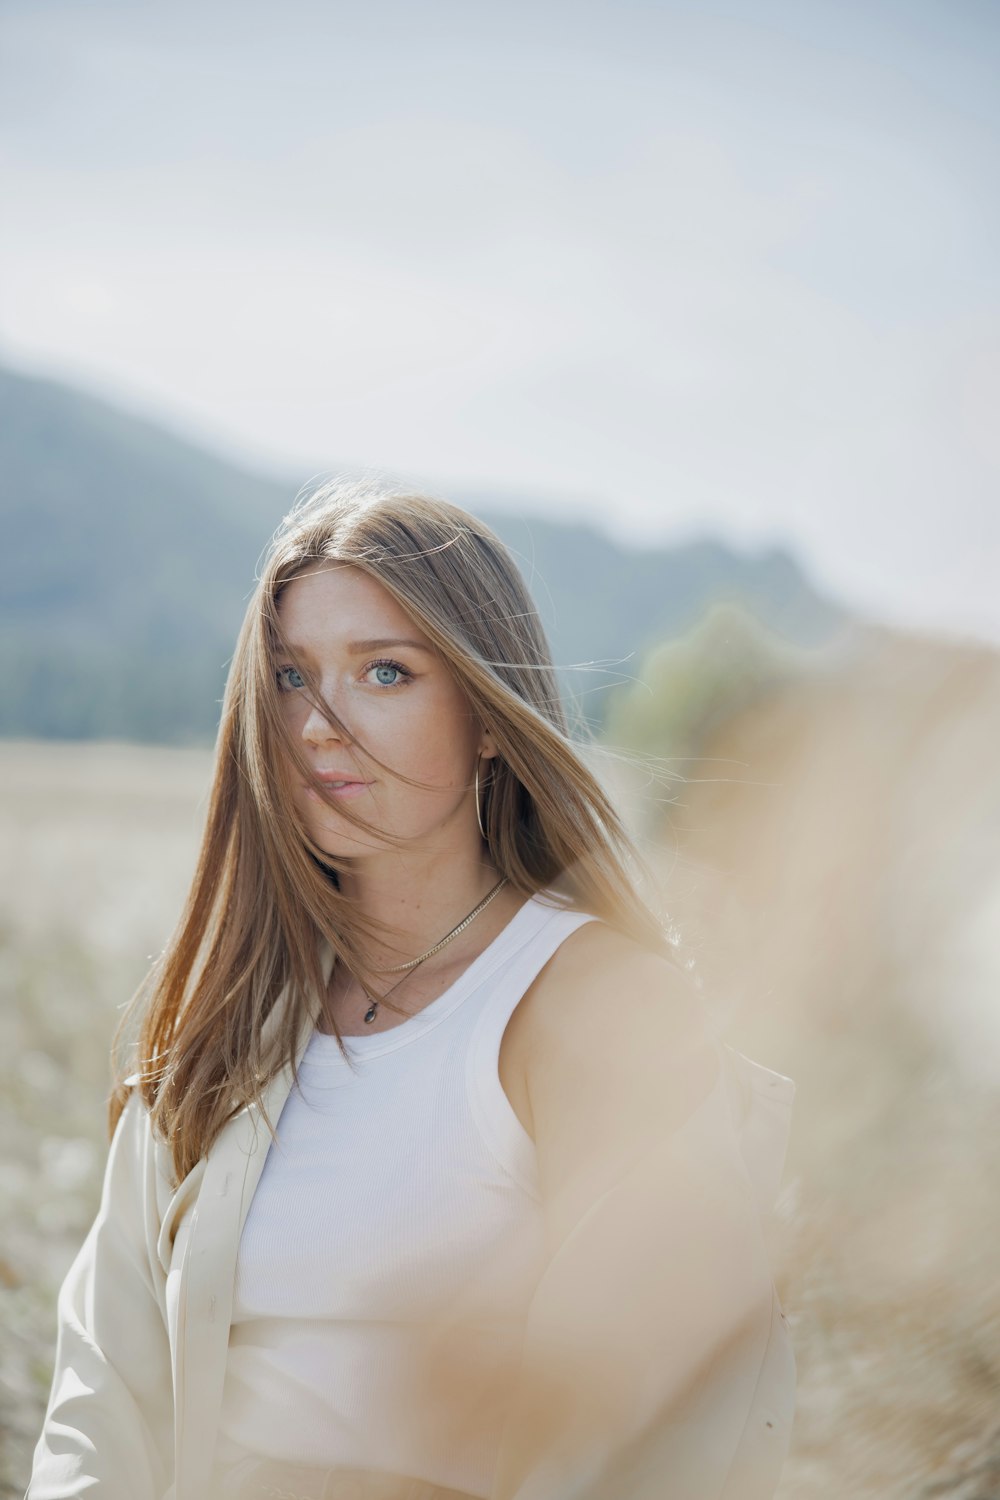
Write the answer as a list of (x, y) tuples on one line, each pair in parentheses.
[(832, 861)]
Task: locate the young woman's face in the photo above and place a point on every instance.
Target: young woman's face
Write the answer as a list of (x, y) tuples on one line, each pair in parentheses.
[(379, 673)]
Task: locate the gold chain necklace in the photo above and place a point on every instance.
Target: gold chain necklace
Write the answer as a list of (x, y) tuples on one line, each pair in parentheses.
[(412, 963)]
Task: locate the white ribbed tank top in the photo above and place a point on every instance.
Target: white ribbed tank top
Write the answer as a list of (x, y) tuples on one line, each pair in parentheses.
[(394, 1240)]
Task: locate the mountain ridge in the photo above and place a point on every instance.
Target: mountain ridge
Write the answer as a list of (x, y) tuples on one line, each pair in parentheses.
[(113, 626)]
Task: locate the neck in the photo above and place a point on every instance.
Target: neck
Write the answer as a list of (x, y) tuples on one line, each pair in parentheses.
[(420, 906)]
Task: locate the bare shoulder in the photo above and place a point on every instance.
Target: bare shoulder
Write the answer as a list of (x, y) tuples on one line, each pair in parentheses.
[(602, 992), (617, 1049)]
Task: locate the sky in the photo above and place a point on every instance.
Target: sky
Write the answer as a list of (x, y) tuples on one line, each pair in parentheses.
[(674, 269)]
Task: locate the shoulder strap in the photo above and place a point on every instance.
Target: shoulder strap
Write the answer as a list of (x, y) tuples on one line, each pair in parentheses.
[(524, 966), (502, 1131)]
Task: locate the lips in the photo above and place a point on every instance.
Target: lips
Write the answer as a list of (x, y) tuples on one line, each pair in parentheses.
[(339, 784)]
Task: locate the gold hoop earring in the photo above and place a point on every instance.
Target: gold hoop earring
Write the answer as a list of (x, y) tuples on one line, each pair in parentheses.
[(479, 817)]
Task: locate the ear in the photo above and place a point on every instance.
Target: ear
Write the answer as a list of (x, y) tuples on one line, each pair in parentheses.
[(487, 748)]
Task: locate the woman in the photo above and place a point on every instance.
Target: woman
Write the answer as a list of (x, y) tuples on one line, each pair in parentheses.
[(432, 1179)]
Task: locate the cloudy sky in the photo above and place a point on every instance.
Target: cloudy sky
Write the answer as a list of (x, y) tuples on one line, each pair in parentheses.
[(672, 267)]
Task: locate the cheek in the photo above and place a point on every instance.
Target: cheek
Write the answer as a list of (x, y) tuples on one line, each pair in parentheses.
[(294, 712), (435, 747)]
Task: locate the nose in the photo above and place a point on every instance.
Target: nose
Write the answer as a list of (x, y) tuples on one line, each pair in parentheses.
[(318, 729)]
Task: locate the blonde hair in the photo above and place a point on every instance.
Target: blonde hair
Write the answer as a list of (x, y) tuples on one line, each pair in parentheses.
[(264, 896)]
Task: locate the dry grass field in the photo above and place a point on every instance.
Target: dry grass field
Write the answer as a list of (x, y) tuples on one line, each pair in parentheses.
[(99, 843), (832, 861)]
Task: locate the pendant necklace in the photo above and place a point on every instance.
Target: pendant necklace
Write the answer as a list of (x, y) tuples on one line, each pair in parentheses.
[(412, 963)]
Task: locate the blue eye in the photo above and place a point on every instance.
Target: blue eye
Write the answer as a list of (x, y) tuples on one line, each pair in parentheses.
[(389, 673), (279, 677)]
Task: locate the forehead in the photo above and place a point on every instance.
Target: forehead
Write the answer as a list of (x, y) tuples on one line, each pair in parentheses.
[(334, 602)]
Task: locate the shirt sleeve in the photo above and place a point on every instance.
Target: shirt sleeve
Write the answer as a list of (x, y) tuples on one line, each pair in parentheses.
[(108, 1429)]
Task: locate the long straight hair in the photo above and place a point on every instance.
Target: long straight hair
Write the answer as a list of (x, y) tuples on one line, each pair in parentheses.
[(264, 896)]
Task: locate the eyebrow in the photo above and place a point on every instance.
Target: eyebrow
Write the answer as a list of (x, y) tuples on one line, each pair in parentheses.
[(376, 644)]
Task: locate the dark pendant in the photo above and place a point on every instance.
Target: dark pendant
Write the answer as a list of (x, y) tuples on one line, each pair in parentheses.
[(370, 1012)]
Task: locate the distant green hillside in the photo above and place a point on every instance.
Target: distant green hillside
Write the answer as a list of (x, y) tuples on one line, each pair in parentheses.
[(601, 602), (129, 555), (126, 560)]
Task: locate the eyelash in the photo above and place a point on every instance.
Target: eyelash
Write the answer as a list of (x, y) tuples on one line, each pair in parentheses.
[(381, 661), (387, 661)]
